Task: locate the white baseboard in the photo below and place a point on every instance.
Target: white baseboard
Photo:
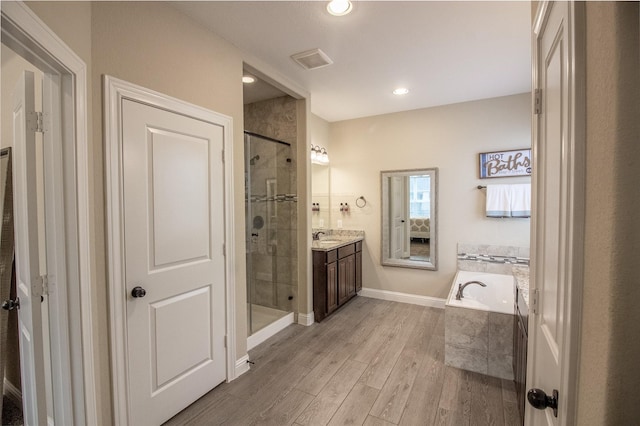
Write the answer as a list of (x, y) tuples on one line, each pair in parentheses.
[(306, 319), (394, 296), (12, 392), (242, 366), (261, 335)]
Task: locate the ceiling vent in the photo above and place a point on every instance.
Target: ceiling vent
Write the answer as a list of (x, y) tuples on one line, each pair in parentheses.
[(312, 59)]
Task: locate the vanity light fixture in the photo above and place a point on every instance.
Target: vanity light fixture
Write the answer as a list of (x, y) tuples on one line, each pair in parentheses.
[(248, 79), (401, 91), (339, 7), (319, 155)]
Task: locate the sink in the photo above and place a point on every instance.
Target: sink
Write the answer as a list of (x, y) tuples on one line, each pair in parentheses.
[(329, 241)]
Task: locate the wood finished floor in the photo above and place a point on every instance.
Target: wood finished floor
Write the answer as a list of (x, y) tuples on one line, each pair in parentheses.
[(372, 363)]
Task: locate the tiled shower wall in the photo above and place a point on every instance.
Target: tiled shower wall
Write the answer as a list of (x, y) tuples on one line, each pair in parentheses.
[(274, 251)]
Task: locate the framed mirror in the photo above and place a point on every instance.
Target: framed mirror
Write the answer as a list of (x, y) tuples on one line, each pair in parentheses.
[(410, 218)]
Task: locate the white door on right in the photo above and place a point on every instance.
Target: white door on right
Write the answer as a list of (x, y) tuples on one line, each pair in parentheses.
[(557, 197)]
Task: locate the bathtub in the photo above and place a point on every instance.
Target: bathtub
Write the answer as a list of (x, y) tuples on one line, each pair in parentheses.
[(479, 327), (497, 296)]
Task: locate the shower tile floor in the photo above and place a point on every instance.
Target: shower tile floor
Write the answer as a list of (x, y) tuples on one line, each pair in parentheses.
[(263, 316)]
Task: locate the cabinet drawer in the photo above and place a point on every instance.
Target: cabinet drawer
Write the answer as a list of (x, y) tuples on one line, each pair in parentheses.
[(359, 246), (332, 256), (346, 251)]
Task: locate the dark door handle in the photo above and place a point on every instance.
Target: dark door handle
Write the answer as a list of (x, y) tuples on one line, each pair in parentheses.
[(138, 292), (10, 305), (540, 400)]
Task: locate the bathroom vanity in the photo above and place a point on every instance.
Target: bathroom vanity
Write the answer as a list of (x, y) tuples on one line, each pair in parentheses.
[(337, 273)]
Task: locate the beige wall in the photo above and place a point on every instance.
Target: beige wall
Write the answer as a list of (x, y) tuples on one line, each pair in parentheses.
[(134, 41), (320, 132), (320, 186), (450, 138), (611, 319), (152, 45)]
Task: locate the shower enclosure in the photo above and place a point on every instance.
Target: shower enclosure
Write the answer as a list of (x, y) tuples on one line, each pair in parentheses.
[(270, 208)]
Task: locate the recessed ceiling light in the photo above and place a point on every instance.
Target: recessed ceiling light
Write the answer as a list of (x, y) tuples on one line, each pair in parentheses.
[(248, 79), (401, 91), (339, 7)]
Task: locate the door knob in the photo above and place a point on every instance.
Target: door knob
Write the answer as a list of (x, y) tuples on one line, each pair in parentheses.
[(540, 400), (138, 292), (10, 305)]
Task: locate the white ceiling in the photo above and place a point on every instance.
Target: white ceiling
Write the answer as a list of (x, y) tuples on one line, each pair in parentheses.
[(443, 52)]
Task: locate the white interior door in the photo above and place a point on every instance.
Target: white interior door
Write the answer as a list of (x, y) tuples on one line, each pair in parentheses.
[(174, 236), (556, 242), (29, 286)]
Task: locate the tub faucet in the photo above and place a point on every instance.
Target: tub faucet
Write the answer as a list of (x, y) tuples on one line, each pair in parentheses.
[(462, 286), (316, 235)]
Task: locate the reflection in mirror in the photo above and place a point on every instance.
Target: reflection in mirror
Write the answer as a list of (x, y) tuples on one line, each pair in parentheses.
[(409, 218), (320, 199)]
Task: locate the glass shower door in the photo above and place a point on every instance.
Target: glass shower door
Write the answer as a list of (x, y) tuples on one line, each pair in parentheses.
[(269, 203)]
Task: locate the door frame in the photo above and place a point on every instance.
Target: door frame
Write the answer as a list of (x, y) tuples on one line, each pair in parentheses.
[(115, 91), (575, 163), (25, 33)]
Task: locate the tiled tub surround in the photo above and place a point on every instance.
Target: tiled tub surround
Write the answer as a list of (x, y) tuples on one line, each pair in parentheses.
[(479, 328), (491, 258)]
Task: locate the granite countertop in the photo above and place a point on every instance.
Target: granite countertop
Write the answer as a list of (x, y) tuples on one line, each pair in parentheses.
[(331, 242), (521, 274)]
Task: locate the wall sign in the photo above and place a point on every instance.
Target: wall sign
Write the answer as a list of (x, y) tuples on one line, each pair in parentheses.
[(505, 163)]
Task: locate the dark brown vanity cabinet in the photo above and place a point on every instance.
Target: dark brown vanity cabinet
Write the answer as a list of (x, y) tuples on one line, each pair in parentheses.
[(520, 333), (337, 276)]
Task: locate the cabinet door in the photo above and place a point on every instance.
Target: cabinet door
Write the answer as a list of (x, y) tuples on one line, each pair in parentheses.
[(332, 286), (358, 271), (521, 367), (346, 278), (343, 293), (351, 276)]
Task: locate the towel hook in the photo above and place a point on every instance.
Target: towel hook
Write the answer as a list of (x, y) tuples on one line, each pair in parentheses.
[(361, 202)]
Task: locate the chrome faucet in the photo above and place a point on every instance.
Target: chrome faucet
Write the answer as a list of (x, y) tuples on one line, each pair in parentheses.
[(462, 286), (316, 235)]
